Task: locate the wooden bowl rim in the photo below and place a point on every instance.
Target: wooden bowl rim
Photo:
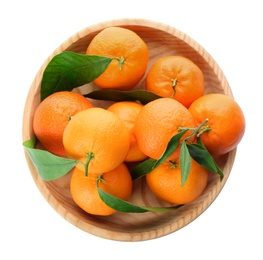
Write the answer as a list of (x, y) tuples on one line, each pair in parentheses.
[(27, 133)]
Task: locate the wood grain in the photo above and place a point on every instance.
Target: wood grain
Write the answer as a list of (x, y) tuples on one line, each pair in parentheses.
[(162, 40)]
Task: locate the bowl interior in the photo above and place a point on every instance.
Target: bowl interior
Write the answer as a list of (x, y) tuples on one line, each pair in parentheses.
[(162, 40)]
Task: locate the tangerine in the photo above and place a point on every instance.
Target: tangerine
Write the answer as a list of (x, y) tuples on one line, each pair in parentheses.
[(226, 122), (128, 112), (176, 77), (53, 114), (84, 191), (130, 55), (157, 122), (98, 139), (165, 182)]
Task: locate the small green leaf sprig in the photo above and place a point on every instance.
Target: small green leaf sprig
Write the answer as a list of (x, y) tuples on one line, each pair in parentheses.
[(187, 150)]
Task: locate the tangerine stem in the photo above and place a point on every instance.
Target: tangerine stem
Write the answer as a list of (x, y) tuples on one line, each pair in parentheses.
[(174, 83), (121, 61), (90, 156), (202, 125), (99, 179), (195, 129), (203, 129), (173, 164)]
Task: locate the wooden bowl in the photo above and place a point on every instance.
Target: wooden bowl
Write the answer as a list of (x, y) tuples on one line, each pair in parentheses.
[(162, 40)]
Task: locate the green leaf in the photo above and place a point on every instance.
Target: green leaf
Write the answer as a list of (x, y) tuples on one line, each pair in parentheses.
[(68, 70), (185, 162), (147, 166), (172, 145), (124, 206), (30, 143), (201, 155), (49, 166), (143, 96), (143, 168)]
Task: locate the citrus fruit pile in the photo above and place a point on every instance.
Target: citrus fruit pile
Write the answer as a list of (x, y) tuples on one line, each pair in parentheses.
[(170, 134)]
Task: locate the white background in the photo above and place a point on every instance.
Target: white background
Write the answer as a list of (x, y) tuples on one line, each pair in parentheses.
[(231, 31)]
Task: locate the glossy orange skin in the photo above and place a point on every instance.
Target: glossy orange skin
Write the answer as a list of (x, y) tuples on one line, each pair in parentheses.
[(158, 122), (121, 43), (177, 77), (226, 120), (165, 182), (128, 112), (99, 132), (84, 191), (53, 114)]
